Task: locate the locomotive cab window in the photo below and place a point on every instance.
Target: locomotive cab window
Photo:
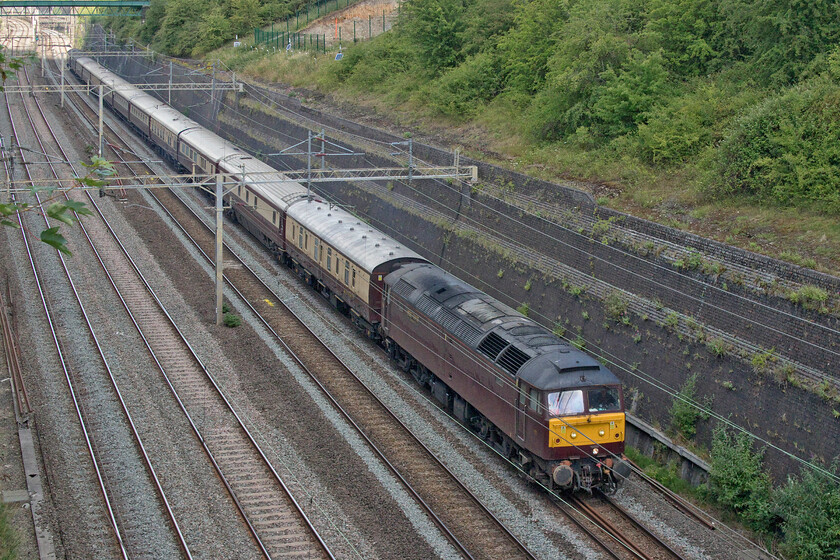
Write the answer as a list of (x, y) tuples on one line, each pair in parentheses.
[(535, 400), (565, 402), (603, 399)]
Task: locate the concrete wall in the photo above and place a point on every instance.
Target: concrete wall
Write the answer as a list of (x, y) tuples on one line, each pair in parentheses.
[(645, 353)]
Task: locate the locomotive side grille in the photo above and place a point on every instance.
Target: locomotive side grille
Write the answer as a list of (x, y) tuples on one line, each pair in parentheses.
[(513, 359), (448, 320), (492, 345), (467, 333), (427, 306), (403, 288), (458, 327)]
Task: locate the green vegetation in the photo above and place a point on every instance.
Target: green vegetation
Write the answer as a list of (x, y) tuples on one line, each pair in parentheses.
[(525, 309), (737, 478), (231, 320), (801, 515), (685, 411), (615, 307), (9, 540)]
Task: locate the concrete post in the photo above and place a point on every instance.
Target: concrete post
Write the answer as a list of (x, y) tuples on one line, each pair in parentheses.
[(101, 95), (219, 245)]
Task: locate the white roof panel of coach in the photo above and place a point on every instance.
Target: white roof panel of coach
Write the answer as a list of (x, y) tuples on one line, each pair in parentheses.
[(353, 238)]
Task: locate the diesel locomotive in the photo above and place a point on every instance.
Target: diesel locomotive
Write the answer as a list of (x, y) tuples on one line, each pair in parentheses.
[(548, 407)]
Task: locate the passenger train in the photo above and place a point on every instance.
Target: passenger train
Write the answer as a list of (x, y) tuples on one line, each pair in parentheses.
[(551, 409)]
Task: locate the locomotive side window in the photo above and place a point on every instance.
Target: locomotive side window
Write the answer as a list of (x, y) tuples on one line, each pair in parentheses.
[(535, 400), (603, 399), (567, 402)]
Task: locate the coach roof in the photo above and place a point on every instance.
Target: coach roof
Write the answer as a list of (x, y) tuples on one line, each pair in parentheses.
[(365, 246)]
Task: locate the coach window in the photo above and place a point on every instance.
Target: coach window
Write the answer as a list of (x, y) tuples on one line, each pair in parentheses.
[(247, 196), (354, 278), (255, 202), (346, 272), (317, 250), (300, 237), (329, 259), (274, 217), (306, 241), (239, 191)]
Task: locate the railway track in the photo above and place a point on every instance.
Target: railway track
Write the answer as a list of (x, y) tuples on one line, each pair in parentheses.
[(624, 536), (91, 407), (362, 404), (467, 524), (277, 523)]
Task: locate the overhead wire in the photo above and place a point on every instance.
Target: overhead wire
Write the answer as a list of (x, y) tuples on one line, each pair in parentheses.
[(511, 405), (672, 392)]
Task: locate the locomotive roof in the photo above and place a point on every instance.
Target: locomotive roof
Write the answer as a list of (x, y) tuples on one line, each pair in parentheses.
[(516, 343), (356, 240)]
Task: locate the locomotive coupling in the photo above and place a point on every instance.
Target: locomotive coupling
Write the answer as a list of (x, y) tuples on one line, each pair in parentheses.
[(563, 475)]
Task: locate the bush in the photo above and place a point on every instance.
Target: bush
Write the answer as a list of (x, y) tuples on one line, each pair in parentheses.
[(464, 90), (810, 510), (785, 150), (737, 479), (685, 411), (231, 320)]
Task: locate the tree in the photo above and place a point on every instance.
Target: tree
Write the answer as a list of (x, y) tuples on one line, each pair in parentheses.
[(737, 478), (810, 509), (56, 207)]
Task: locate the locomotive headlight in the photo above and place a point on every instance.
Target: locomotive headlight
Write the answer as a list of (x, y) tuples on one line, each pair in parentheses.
[(601, 433), (594, 450), (574, 435)]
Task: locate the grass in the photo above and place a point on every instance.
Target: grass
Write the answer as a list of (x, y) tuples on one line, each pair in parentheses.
[(9, 540), (667, 474)]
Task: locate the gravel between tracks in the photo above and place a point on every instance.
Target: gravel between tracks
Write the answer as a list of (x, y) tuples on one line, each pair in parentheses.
[(361, 510)]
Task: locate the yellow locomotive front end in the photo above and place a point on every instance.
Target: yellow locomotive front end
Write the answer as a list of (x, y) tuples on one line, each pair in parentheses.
[(586, 431)]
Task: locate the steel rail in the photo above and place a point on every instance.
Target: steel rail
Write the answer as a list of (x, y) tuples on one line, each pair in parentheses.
[(201, 438), (62, 359), (678, 502), (138, 439), (450, 535), (21, 401)]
